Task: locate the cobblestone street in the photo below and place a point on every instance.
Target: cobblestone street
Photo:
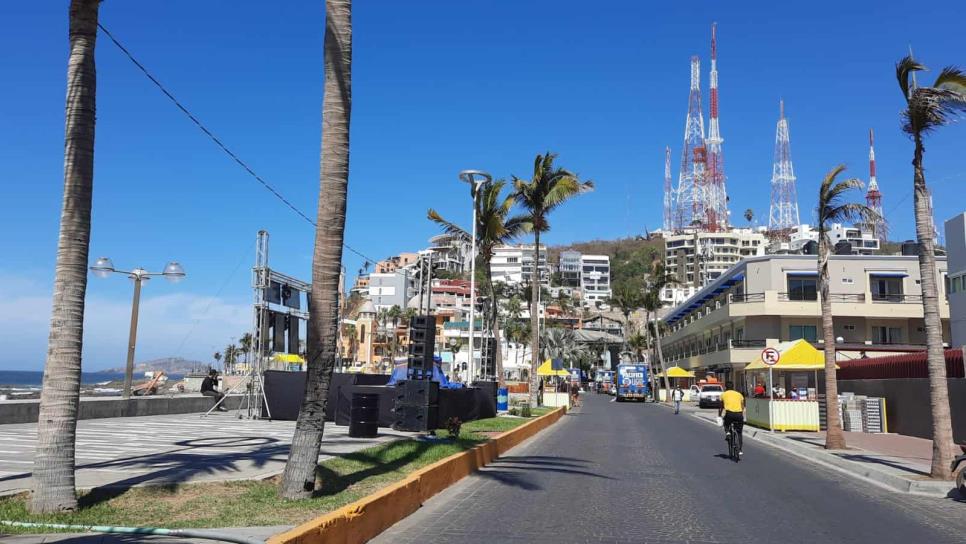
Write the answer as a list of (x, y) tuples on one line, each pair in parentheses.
[(628, 472)]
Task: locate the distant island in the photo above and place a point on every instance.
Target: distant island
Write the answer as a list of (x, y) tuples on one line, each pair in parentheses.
[(170, 365)]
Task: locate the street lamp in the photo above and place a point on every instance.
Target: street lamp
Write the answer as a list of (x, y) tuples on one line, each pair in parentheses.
[(102, 268), (475, 178)]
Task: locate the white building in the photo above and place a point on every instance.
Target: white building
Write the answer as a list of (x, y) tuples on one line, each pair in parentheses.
[(570, 268), (595, 279), (956, 282), (694, 258), (861, 242), (513, 265)]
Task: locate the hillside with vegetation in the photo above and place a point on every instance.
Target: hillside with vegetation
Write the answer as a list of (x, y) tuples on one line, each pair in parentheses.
[(629, 257)]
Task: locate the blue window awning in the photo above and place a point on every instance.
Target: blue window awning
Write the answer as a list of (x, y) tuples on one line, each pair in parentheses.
[(803, 273), (889, 274)]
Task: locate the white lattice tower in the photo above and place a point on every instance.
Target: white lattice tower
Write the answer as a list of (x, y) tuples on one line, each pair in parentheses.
[(783, 213), (717, 205), (668, 193), (691, 192), (873, 197)]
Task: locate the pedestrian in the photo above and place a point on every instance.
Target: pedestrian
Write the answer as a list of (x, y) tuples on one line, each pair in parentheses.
[(540, 392), (759, 390), (208, 389), (677, 396)]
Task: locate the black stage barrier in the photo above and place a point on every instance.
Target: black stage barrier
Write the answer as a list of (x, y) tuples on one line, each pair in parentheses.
[(284, 391)]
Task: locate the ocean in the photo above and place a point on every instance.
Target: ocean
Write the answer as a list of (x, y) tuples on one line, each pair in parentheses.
[(32, 379)]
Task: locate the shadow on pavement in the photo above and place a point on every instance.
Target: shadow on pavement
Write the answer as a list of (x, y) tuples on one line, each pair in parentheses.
[(877, 461), (510, 478)]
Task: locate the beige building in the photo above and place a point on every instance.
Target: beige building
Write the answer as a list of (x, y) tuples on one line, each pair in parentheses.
[(876, 304), (396, 262), (695, 258)]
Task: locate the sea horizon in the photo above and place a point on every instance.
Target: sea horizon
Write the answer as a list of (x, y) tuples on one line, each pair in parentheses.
[(34, 378)]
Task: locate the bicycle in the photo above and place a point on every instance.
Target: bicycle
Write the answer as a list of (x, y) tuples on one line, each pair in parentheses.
[(734, 443)]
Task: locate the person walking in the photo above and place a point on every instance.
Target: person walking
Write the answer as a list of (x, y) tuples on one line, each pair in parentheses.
[(677, 396)]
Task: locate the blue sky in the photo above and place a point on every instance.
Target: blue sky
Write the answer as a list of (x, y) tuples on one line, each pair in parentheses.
[(437, 87)]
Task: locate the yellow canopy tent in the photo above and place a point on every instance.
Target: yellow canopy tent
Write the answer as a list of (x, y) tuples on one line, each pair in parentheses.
[(676, 372), (795, 355), (288, 358), (546, 369)]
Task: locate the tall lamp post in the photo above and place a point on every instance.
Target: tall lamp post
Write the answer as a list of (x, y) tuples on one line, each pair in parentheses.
[(475, 178), (103, 267)]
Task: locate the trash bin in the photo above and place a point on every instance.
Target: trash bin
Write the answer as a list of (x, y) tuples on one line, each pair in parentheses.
[(502, 399), (364, 416)]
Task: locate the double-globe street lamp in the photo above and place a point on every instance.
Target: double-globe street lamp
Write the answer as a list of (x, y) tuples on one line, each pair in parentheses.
[(103, 267), (476, 178)]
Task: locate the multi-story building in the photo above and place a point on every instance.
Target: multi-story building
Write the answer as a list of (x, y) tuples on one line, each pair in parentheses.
[(956, 283), (595, 279), (570, 268), (876, 305), (392, 264), (694, 258), (391, 289), (861, 241), (450, 253), (513, 265)]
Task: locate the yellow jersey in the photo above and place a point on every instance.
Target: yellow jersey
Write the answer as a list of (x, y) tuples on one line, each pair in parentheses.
[(732, 401)]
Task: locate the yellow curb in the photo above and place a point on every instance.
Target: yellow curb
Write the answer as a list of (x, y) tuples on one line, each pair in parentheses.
[(362, 520)]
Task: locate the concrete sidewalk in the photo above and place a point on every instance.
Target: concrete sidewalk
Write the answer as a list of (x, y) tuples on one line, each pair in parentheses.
[(172, 449), (254, 533), (896, 462)]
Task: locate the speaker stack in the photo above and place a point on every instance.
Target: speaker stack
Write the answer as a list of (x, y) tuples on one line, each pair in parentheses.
[(416, 405)]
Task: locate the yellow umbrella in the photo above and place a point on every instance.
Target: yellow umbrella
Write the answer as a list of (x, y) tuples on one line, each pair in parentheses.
[(795, 355), (546, 369), (676, 372)]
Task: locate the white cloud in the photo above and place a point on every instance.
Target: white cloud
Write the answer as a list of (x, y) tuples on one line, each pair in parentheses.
[(182, 324)]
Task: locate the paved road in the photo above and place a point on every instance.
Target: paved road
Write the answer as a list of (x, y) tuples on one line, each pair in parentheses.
[(171, 449), (625, 472)]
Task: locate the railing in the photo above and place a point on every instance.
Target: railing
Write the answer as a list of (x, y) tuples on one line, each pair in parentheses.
[(745, 343), (797, 297), (897, 298), (847, 297), (748, 297)]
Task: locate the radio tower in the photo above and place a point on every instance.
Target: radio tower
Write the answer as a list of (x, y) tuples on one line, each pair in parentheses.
[(668, 194), (717, 195), (873, 198), (691, 193), (783, 214)]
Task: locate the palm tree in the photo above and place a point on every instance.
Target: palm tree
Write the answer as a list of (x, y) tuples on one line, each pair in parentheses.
[(832, 209), (54, 461), (928, 108), (494, 226), (627, 296), (749, 215), (658, 281), (548, 188), (231, 355), (245, 344), (298, 480), (217, 358)]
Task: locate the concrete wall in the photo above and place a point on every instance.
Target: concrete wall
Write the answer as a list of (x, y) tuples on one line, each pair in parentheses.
[(907, 404), (26, 411), (956, 248)]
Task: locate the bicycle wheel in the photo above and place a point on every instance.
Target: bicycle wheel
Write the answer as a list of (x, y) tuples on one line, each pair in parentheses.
[(733, 446)]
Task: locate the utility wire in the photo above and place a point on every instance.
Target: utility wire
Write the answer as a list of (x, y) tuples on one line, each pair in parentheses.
[(215, 139)]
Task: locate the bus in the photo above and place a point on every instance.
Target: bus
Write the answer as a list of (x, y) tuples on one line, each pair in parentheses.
[(632, 381)]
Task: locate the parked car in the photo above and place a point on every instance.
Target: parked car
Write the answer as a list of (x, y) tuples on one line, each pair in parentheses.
[(710, 396)]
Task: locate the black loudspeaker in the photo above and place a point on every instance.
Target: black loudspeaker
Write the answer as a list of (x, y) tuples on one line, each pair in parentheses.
[(284, 392), (421, 392), (278, 332), (414, 418), (488, 363), (422, 340), (293, 335)]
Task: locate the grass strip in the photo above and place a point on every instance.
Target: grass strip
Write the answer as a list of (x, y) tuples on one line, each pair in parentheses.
[(343, 480)]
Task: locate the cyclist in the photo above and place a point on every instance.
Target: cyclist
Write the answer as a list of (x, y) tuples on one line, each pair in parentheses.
[(733, 409)]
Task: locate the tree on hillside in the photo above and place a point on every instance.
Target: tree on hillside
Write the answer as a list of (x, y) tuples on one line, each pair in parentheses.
[(658, 281), (627, 296), (54, 460), (928, 108), (749, 215), (298, 479), (495, 226), (833, 209), (548, 188)]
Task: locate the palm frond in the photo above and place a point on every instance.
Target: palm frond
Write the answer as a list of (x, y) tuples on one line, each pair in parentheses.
[(952, 79), (904, 69), (448, 227)]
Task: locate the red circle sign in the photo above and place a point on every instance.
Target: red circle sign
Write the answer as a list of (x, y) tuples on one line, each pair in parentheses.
[(770, 356)]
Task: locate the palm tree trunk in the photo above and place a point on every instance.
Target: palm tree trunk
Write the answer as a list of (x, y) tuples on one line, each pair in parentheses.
[(834, 438), (650, 361), (298, 480), (53, 472), (660, 358), (495, 326), (535, 320), (943, 448)]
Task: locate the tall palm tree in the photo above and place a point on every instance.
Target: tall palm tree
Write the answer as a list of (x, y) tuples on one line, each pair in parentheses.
[(298, 480), (54, 461), (833, 209), (245, 344), (928, 108), (494, 226), (657, 282), (217, 358), (548, 188), (627, 296)]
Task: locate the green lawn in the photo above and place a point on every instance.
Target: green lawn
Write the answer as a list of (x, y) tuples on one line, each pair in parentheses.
[(238, 504)]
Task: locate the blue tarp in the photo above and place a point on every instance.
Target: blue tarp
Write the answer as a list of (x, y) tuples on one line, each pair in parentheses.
[(400, 373)]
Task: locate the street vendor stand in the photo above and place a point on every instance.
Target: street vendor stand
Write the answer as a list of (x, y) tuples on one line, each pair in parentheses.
[(797, 370), (552, 397), (676, 373)]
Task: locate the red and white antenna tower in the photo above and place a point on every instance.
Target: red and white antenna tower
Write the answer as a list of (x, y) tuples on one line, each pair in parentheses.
[(668, 194), (692, 190), (783, 213), (873, 198), (717, 204)]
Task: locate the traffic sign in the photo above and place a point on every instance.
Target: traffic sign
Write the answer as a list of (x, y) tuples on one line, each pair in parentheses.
[(770, 356)]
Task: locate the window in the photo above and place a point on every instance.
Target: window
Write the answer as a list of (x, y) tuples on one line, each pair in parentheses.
[(887, 335), (849, 327), (807, 332), (957, 284), (512, 259), (886, 288), (802, 288), (848, 281)]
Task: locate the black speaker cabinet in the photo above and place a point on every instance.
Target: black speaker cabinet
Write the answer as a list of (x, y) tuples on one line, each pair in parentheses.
[(415, 418), (423, 392)]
